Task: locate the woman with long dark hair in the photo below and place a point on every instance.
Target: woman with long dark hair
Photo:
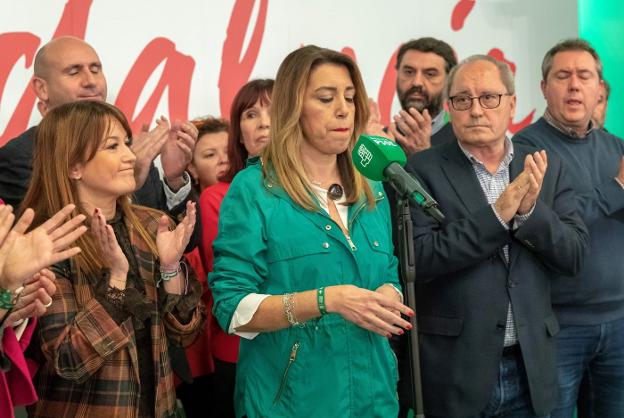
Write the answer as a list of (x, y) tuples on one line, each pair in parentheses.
[(104, 340)]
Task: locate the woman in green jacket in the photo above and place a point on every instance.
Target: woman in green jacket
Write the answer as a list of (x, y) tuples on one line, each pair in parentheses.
[(304, 269)]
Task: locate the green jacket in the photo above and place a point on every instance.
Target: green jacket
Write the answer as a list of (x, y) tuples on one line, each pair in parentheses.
[(269, 245)]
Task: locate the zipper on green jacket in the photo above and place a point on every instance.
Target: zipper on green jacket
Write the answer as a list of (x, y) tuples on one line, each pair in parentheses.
[(291, 360), (351, 244), (357, 211)]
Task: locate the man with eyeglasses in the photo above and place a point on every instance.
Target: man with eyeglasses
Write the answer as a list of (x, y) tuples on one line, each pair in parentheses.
[(486, 325), (590, 308)]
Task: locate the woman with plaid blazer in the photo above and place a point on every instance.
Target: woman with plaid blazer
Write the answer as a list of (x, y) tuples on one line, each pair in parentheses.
[(103, 342)]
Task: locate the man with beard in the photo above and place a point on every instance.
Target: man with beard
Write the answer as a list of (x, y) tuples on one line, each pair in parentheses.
[(422, 67)]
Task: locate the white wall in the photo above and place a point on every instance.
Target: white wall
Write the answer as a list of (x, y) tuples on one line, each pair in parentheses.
[(120, 30)]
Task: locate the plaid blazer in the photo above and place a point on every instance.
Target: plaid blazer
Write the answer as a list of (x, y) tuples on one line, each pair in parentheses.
[(91, 368)]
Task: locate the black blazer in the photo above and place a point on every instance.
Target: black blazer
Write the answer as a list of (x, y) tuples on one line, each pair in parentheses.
[(16, 167), (443, 136), (464, 284)]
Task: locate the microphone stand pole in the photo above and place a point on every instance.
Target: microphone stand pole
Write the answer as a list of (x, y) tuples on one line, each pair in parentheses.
[(408, 273)]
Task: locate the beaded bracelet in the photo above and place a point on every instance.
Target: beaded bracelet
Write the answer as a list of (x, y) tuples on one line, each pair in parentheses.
[(168, 272), (320, 300), (289, 309)]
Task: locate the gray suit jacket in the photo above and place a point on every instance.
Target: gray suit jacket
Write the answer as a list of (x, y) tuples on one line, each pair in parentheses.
[(464, 283)]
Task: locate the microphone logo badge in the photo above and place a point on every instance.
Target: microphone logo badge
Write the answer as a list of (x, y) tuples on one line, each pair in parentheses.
[(365, 155), (380, 140)]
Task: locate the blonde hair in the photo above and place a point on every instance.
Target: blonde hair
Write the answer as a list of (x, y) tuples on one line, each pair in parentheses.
[(71, 134), (282, 156)]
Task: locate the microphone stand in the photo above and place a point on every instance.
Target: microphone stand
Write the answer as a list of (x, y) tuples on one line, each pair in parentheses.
[(408, 273)]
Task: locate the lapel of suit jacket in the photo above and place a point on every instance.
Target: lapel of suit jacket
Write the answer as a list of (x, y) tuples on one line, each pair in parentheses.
[(462, 178)]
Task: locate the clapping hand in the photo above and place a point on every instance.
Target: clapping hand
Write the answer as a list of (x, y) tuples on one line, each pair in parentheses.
[(171, 243), (146, 145), (24, 254), (535, 165), (178, 152), (114, 257), (374, 125), (412, 130), (35, 297)]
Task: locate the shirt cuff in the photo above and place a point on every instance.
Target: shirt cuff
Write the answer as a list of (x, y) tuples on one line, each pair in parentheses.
[(175, 198), (244, 313), (520, 219), (505, 224)]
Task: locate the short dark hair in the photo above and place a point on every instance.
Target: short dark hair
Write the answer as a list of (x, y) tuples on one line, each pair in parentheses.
[(210, 125), (574, 44), (429, 44)]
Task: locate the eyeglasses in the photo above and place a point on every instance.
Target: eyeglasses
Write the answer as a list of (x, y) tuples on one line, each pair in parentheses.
[(487, 101)]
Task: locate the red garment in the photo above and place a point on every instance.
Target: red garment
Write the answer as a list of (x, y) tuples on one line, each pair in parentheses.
[(213, 342), (199, 354), (223, 346), (16, 388)]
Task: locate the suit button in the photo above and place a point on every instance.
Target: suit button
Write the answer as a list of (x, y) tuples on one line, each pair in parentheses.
[(511, 283), (326, 245), (328, 227), (376, 244), (500, 326)]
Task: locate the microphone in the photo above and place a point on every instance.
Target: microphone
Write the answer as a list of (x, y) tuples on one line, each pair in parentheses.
[(381, 159)]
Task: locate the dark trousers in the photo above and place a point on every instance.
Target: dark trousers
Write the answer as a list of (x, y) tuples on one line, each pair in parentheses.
[(210, 396), (510, 398)]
